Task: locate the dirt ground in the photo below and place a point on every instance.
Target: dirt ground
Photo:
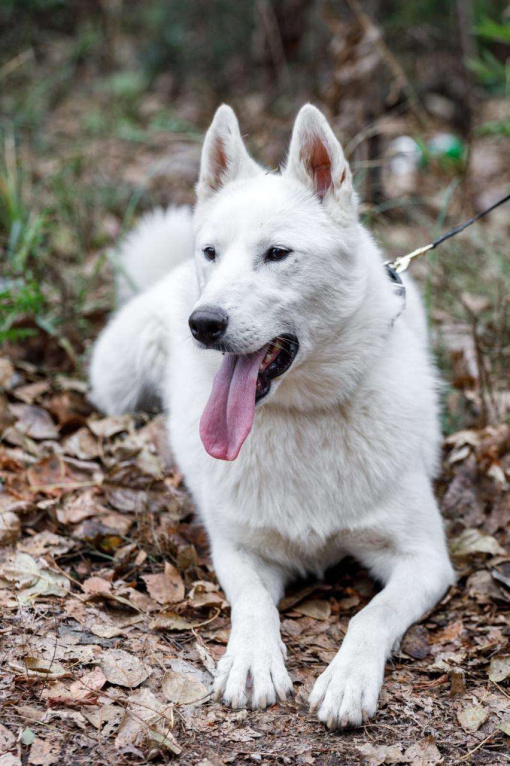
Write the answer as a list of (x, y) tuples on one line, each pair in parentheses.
[(111, 617)]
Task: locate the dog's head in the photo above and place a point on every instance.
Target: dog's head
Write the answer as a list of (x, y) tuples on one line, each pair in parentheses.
[(277, 265)]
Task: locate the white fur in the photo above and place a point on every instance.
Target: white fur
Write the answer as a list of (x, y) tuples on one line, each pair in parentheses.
[(342, 453), (161, 240)]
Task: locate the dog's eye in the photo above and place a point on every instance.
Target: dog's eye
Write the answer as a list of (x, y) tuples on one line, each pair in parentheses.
[(210, 253), (277, 254)]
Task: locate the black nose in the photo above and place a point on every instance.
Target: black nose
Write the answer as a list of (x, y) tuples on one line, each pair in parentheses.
[(208, 325)]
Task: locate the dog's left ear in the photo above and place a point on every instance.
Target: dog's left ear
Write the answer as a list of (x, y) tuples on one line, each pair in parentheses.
[(316, 157)]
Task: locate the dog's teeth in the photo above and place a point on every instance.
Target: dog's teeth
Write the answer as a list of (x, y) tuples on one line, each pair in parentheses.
[(270, 356)]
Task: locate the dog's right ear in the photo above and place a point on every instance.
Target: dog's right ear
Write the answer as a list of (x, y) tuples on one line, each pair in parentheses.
[(224, 155)]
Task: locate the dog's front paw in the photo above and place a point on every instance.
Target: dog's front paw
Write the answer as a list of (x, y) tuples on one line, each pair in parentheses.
[(346, 694), (252, 673)]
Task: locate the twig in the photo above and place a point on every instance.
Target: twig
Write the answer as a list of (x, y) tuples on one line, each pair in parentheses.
[(16, 62), (480, 744), (274, 39), (390, 60)]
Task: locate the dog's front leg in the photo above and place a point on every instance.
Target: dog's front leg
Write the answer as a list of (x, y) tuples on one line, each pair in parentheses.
[(252, 671), (416, 571)]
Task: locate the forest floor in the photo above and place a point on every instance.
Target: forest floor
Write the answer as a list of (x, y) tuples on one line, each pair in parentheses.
[(112, 619)]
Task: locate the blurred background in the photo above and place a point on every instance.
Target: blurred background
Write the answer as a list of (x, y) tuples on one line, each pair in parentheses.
[(103, 105)]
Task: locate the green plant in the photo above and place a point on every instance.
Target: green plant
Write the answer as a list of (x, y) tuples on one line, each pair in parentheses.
[(492, 72)]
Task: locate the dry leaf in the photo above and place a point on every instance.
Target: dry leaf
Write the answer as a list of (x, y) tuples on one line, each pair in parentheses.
[(82, 444), (10, 527), (123, 669), (423, 753), (87, 686), (170, 621), (31, 579), (167, 587), (110, 426), (95, 586), (504, 726), (416, 642), (147, 720), (471, 718), (312, 607), (34, 422), (44, 752), (499, 669), (106, 719), (7, 739), (6, 373), (375, 755), (472, 541), (10, 760), (185, 684), (79, 506), (32, 391)]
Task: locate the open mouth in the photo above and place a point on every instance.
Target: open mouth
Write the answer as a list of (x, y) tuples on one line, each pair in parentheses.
[(241, 381), (278, 359)]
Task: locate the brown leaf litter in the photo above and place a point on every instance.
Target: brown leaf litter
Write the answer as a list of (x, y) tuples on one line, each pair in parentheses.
[(113, 620)]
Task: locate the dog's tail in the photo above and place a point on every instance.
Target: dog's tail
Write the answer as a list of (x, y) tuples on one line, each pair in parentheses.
[(127, 366), (161, 240)]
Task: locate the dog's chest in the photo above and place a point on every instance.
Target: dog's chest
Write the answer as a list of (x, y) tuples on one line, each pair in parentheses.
[(300, 478)]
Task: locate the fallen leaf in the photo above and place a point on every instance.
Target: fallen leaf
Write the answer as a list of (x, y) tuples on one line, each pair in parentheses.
[(375, 755), (106, 719), (167, 587), (6, 373), (416, 642), (87, 686), (80, 506), (171, 621), (10, 760), (114, 623), (69, 716), (472, 541), (31, 391), (7, 739), (110, 426), (312, 607), (10, 527), (32, 579), (123, 669), (27, 736), (504, 726), (185, 684), (37, 667), (44, 752), (206, 657), (146, 720), (94, 586), (499, 669), (204, 594), (471, 718), (82, 444), (423, 753), (45, 542), (34, 422)]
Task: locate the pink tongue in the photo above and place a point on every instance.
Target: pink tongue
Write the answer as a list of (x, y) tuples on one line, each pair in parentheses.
[(228, 415)]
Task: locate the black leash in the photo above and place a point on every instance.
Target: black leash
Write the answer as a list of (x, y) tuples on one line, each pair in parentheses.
[(400, 264), (395, 268)]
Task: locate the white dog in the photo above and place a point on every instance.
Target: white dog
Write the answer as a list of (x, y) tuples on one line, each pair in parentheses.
[(308, 430)]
